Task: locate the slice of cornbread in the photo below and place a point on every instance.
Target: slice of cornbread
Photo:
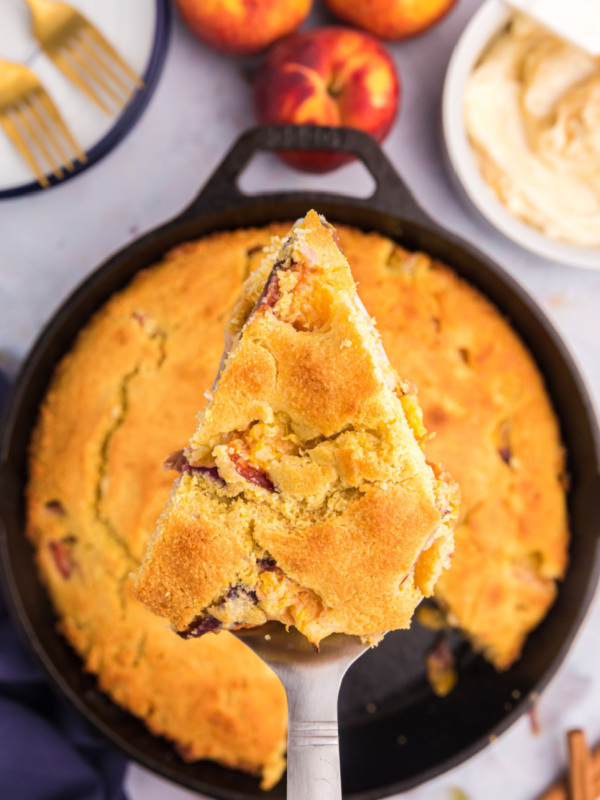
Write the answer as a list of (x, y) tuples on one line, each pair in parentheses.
[(305, 496)]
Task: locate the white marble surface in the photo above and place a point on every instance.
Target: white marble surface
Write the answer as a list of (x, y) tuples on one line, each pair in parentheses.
[(49, 242)]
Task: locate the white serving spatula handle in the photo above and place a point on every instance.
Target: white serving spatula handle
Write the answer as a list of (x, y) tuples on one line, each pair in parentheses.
[(578, 21)]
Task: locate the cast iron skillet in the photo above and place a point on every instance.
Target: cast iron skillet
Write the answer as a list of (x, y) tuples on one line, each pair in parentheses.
[(406, 735)]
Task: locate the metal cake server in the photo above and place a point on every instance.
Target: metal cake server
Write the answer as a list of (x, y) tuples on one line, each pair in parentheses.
[(312, 682)]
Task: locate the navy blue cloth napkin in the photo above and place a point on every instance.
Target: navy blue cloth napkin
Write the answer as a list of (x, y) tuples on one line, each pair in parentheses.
[(47, 751)]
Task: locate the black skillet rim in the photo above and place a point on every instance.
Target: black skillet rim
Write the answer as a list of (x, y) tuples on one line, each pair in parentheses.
[(219, 196)]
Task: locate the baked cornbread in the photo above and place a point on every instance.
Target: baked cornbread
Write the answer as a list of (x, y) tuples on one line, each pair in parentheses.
[(495, 432), (305, 495), (124, 396), (127, 394)]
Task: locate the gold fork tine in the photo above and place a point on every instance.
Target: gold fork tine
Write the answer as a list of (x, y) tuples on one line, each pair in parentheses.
[(112, 54), (57, 121), (84, 41), (16, 138), (33, 123), (75, 77), (51, 134), (92, 72), (38, 141), (82, 53)]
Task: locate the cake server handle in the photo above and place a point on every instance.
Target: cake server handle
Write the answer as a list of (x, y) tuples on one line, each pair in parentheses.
[(313, 744), (312, 683)]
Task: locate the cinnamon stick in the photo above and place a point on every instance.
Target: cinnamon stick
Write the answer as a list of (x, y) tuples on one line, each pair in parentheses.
[(580, 767), (560, 790)]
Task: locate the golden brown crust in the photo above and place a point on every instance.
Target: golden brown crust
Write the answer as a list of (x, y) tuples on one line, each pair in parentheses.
[(335, 488), (149, 354)]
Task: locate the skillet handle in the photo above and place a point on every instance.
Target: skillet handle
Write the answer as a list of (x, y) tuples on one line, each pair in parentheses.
[(221, 191)]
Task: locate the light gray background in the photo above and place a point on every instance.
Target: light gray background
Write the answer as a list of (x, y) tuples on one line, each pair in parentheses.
[(50, 241)]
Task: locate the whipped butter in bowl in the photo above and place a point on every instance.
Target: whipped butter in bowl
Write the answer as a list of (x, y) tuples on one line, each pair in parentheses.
[(522, 128), (532, 113)]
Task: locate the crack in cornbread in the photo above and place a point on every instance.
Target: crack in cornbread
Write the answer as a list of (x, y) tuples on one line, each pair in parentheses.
[(211, 696), (306, 407), (119, 415)]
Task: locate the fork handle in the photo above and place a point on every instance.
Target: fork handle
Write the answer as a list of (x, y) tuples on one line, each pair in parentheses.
[(313, 746)]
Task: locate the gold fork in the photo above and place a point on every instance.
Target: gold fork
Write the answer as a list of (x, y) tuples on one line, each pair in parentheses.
[(83, 55), (32, 122)]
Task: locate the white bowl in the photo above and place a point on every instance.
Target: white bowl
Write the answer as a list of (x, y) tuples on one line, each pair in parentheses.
[(484, 25)]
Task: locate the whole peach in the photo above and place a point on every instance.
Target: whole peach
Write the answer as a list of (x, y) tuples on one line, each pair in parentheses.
[(241, 27), (391, 19), (331, 76)]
